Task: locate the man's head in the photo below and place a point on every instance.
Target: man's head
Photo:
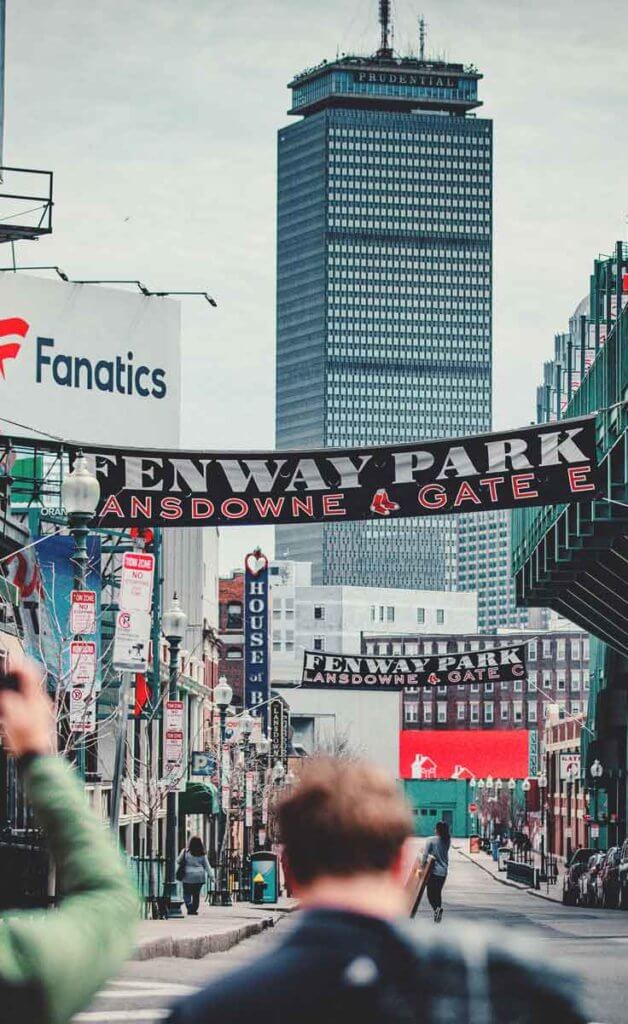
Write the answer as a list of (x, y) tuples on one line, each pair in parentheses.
[(343, 820)]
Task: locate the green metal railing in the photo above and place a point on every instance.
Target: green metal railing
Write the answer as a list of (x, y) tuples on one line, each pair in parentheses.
[(148, 874), (602, 390)]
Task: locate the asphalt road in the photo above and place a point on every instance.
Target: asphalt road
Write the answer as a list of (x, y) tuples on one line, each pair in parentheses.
[(594, 944)]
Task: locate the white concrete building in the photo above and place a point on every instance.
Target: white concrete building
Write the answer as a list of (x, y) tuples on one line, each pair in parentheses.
[(334, 618)]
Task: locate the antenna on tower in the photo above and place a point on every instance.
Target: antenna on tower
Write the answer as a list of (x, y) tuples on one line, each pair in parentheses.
[(385, 50), (421, 38)]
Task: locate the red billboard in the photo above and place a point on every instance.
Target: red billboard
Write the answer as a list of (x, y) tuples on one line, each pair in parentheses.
[(453, 754)]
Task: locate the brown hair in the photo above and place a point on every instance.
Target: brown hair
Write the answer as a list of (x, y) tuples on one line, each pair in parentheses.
[(196, 847), (342, 818)]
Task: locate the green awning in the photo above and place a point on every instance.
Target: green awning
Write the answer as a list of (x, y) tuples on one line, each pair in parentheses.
[(199, 798)]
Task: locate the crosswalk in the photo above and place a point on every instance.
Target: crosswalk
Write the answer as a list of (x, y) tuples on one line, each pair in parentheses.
[(144, 1001)]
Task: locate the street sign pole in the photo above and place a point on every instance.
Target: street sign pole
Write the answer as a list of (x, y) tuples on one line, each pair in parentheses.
[(121, 728), (171, 889)]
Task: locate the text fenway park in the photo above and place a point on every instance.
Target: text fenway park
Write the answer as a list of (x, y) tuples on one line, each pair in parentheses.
[(539, 465)]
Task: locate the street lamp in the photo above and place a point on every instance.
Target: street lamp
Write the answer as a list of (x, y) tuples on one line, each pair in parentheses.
[(481, 787), (80, 492), (247, 723), (263, 746), (223, 695), (512, 785), (525, 786), (173, 624), (597, 771), (542, 784)]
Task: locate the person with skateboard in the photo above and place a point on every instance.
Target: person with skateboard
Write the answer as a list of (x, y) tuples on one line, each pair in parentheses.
[(437, 846)]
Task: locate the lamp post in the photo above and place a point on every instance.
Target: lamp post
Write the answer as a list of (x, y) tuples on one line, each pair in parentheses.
[(525, 786), (263, 747), (279, 774), (173, 624), (246, 728), (472, 785), (512, 785), (597, 771), (223, 695), (80, 492), (542, 783), (481, 787)]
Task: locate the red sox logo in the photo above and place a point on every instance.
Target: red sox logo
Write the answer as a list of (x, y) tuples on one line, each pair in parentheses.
[(10, 349)]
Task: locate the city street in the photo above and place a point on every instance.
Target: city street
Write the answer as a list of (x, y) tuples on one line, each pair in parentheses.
[(592, 942)]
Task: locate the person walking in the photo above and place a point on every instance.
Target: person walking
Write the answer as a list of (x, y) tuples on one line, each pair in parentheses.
[(53, 962), (193, 870), (437, 846), (351, 952)]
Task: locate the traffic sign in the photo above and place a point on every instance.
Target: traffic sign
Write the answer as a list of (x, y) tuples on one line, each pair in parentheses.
[(83, 662), (131, 641), (83, 611), (473, 808), (136, 582)]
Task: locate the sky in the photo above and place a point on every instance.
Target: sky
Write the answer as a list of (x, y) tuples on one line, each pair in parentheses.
[(159, 120)]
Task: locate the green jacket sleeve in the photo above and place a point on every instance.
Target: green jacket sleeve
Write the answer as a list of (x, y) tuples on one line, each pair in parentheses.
[(57, 960)]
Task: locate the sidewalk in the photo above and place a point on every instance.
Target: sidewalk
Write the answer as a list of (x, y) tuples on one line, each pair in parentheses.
[(215, 930), (486, 863)]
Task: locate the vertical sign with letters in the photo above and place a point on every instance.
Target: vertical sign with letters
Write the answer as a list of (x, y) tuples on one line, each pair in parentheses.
[(276, 730), (256, 668), (533, 750)]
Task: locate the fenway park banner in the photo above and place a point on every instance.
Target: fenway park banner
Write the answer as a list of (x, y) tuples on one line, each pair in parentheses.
[(322, 671), (546, 464)]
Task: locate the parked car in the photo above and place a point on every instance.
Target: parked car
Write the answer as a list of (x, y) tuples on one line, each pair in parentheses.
[(577, 864), (607, 880), (587, 881), (622, 872)]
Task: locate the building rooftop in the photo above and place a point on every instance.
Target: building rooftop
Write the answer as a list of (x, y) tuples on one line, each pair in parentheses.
[(386, 81)]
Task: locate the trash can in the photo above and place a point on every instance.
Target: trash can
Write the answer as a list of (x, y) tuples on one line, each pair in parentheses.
[(266, 866), (474, 844), (503, 856), (494, 849)]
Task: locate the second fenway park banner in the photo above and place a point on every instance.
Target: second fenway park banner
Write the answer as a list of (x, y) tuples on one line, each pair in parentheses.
[(546, 464), (322, 671)]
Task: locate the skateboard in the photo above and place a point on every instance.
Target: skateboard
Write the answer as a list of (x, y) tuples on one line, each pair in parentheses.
[(416, 883)]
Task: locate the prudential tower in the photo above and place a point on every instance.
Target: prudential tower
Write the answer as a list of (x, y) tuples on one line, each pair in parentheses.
[(383, 287)]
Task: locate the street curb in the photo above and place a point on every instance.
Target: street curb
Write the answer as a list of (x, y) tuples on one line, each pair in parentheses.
[(505, 881), (194, 947), (502, 881)]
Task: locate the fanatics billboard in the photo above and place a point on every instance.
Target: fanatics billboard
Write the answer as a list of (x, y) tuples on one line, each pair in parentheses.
[(546, 464), (99, 364), (322, 671)]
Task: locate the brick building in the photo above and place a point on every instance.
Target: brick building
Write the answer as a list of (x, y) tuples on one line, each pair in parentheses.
[(566, 817), (558, 673), (231, 632)]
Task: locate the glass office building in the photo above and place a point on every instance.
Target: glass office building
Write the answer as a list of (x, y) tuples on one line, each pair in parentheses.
[(383, 291), (483, 565)]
